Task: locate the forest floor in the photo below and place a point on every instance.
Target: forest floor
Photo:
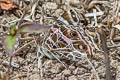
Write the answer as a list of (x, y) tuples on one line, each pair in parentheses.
[(42, 12)]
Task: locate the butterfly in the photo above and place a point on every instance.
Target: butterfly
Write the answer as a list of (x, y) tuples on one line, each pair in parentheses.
[(66, 35)]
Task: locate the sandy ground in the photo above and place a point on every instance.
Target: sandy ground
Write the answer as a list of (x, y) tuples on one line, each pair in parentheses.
[(52, 69)]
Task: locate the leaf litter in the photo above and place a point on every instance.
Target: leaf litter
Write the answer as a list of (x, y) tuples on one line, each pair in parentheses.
[(84, 69)]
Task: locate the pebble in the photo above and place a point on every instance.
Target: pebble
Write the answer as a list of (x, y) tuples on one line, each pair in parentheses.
[(73, 2), (57, 68), (67, 72), (118, 72), (1, 29), (73, 78), (71, 67), (55, 71), (50, 5), (60, 1), (55, 79), (35, 77)]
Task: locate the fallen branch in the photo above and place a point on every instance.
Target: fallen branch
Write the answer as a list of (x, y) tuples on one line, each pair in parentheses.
[(106, 53)]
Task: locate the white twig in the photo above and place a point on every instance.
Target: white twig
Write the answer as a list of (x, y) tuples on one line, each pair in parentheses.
[(94, 14)]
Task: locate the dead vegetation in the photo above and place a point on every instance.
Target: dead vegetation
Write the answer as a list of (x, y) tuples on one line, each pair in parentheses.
[(99, 19)]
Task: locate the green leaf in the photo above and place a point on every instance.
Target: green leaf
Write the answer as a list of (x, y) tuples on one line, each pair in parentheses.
[(9, 42), (13, 30), (0, 75)]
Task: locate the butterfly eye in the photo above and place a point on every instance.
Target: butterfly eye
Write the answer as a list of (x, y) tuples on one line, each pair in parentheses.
[(84, 47), (70, 10), (74, 34)]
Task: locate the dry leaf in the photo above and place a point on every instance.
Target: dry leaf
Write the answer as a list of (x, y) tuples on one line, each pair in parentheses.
[(7, 5)]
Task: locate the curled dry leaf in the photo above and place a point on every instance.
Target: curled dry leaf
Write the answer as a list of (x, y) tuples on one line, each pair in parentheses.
[(7, 5)]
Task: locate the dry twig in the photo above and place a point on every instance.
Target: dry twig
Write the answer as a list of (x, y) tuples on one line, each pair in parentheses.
[(106, 53)]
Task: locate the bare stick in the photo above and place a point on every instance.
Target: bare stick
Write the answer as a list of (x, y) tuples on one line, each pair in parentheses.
[(9, 71), (106, 53)]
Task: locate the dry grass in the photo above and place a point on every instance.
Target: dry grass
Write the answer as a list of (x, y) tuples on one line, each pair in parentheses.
[(43, 12)]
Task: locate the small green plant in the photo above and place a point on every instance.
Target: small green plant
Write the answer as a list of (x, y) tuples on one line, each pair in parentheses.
[(10, 40), (0, 76), (4, 76)]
